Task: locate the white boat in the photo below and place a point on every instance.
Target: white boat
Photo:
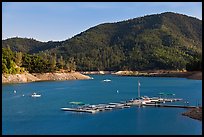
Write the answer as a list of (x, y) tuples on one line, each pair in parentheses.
[(35, 95), (106, 80), (106, 108), (154, 99), (145, 100)]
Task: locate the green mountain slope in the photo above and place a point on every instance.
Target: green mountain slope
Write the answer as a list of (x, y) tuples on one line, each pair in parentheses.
[(161, 41), (26, 45)]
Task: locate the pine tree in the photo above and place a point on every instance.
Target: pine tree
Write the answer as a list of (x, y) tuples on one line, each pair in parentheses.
[(18, 58), (61, 62), (53, 62)]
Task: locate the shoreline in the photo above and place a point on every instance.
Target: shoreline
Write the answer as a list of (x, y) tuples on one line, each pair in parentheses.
[(197, 75), (37, 77), (194, 113), (32, 77), (188, 75)]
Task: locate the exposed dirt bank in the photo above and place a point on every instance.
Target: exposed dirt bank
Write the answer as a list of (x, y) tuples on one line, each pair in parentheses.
[(27, 77), (60, 76), (195, 113), (18, 78), (162, 73), (96, 72)]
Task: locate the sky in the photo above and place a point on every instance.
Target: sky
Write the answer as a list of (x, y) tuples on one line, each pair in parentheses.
[(58, 21)]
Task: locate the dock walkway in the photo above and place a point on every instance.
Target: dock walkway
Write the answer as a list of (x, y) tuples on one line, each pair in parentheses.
[(126, 104), (174, 106)]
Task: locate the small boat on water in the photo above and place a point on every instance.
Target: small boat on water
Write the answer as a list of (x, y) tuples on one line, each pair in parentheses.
[(35, 95), (106, 80)]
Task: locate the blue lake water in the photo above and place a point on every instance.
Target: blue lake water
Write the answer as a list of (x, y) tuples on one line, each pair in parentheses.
[(42, 116)]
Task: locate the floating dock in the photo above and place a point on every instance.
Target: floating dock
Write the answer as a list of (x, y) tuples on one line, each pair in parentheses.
[(126, 104), (174, 106), (79, 110), (140, 101)]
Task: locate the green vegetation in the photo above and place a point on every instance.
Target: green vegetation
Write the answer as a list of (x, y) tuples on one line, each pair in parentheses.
[(8, 62), (26, 45), (160, 41), (195, 65), (17, 62)]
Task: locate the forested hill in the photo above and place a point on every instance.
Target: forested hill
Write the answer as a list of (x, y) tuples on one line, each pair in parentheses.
[(160, 41), (26, 45)]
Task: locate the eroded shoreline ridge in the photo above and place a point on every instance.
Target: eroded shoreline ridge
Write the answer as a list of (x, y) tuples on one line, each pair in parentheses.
[(163, 73), (153, 73), (31, 77), (194, 113)]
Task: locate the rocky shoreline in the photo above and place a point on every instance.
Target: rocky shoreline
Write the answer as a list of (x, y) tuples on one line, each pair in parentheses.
[(31, 77), (96, 72), (162, 73), (197, 75), (194, 113)]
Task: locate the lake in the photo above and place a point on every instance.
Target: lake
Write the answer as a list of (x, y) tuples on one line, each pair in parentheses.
[(24, 115)]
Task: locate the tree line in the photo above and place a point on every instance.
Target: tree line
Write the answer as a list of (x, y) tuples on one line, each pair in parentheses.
[(18, 62)]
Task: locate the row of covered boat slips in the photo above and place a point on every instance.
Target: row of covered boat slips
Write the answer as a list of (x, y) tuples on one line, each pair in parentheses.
[(81, 107), (148, 100), (97, 108)]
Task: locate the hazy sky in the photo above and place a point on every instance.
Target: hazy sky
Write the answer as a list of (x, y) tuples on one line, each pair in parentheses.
[(58, 21)]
